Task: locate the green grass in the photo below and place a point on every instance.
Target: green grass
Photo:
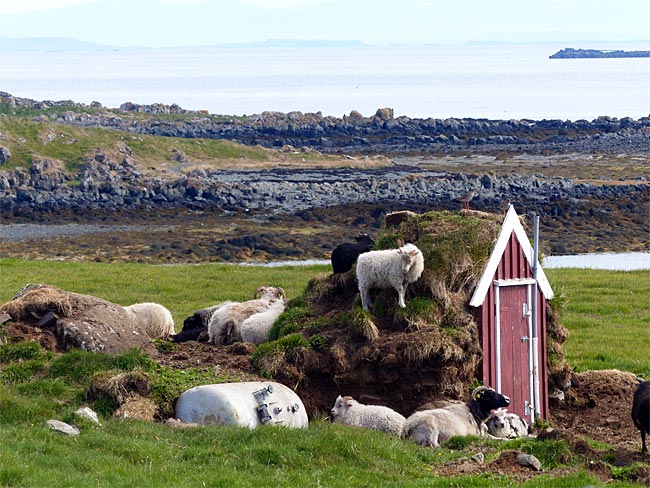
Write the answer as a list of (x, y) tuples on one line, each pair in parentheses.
[(132, 453), (608, 316), (606, 313), (183, 288), (27, 139)]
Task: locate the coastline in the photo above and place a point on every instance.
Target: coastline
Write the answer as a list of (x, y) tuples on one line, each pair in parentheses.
[(588, 181)]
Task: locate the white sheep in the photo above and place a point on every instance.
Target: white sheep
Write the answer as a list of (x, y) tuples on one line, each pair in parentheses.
[(433, 426), (256, 328), (225, 323), (348, 411), (391, 268), (506, 425), (155, 319)]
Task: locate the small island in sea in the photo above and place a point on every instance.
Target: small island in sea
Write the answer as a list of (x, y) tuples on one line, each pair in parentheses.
[(570, 53)]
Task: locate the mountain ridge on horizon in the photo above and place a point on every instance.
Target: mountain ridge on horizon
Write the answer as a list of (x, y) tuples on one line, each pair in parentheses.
[(71, 44)]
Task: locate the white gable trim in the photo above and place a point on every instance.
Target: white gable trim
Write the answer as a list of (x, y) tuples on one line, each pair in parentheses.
[(510, 224)]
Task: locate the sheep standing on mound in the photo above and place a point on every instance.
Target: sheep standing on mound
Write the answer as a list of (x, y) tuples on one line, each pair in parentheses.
[(391, 268), (345, 255), (155, 319), (225, 323), (348, 411), (256, 328), (431, 427)]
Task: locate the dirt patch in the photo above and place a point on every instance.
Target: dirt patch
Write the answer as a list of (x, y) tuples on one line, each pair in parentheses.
[(598, 406)]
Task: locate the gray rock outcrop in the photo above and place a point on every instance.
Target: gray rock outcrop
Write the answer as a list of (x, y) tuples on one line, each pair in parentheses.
[(77, 321)]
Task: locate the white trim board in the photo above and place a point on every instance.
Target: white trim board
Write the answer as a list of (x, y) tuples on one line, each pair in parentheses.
[(510, 224)]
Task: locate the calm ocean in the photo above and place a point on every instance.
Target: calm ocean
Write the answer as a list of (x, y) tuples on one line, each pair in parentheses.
[(482, 81)]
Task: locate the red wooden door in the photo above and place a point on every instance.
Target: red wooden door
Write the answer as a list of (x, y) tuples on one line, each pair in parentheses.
[(514, 349)]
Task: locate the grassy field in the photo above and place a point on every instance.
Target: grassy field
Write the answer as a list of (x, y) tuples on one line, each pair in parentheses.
[(181, 288), (607, 314)]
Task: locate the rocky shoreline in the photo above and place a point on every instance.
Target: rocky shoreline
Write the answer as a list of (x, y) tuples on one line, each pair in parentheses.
[(354, 133), (109, 185), (580, 216)]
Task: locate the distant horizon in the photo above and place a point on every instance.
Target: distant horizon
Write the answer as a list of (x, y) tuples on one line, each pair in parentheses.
[(25, 42), (177, 23)]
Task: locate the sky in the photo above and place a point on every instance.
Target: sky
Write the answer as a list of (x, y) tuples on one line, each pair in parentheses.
[(163, 23)]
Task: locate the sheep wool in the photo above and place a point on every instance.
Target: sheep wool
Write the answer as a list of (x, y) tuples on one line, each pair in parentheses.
[(506, 425), (390, 268), (155, 319), (225, 323), (431, 427), (256, 328), (348, 411)]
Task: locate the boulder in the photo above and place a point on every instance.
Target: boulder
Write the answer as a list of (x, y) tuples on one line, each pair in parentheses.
[(75, 320), (62, 427)]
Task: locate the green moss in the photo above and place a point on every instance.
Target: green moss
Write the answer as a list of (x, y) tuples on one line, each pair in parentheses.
[(293, 319), (318, 341), (78, 366), (388, 241), (21, 351), (22, 371), (269, 357)]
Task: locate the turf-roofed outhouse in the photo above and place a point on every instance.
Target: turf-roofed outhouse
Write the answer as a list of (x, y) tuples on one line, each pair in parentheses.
[(510, 309)]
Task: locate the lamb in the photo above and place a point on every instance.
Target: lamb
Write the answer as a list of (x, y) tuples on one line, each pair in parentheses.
[(391, 268), (155, 319), (641, 412), (225, 323), (506, 425), (348, 411), (431, 427), (256, 328), (345, 255)]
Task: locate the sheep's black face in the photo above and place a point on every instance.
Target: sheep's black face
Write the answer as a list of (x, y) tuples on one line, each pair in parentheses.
[(491, 400)]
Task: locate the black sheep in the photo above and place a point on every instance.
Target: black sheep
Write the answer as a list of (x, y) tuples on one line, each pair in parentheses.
[(195, 327), (346, 254), (641, 411)]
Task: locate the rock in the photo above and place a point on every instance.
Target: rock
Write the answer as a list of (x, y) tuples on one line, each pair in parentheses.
[(171, 422), (384, 114), (88, 413), (557, 395), (478, 458), (529, 461), (63, 427), (80, 321), (5, 155)]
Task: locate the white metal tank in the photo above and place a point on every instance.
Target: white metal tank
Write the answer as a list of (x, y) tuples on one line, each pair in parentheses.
[(247, 404)]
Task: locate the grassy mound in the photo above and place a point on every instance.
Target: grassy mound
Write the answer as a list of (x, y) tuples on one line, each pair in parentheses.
[(327, 345)]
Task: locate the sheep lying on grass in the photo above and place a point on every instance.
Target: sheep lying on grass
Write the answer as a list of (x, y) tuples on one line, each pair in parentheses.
[(348, 411), (506, 425), (195, 327), (155, 319), (225, 323), (392, 268), (256, 328), (431, 427)]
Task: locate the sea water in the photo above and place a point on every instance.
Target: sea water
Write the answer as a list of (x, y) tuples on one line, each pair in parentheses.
[(507, 81)]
